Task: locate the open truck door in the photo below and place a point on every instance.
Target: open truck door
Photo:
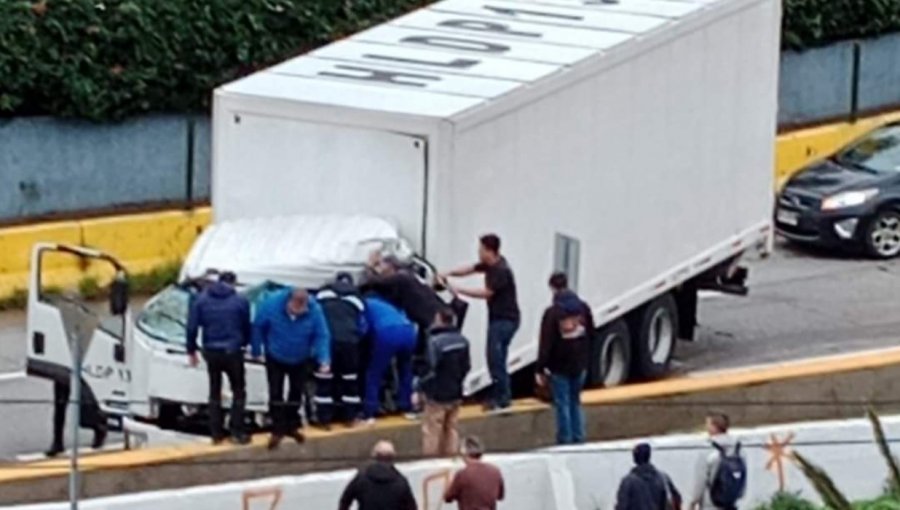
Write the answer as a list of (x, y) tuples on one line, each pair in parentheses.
[(105, 375)]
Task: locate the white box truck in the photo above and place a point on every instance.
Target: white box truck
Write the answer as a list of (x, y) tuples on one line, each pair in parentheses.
[(629, 143)]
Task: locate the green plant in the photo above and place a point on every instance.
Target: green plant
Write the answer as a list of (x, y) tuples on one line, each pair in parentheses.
[(154, 280), (885, 450), (816, 22), (17, 300), (787, 501), (823, 484), (89, 288), (109, 59)]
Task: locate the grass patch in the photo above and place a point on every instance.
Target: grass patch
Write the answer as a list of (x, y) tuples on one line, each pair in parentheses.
[(140, 284)]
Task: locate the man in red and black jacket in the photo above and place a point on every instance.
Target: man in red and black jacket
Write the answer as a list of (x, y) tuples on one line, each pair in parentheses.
[(566, 332)]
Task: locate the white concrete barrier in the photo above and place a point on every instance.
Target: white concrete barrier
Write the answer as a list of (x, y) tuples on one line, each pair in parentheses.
[(582, 478)]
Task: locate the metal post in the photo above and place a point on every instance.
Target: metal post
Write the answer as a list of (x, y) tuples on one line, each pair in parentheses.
[(79, 323), (75, 404)]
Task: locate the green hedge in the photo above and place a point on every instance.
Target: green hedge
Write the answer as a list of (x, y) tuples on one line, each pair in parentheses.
[(817, 22), (109, 59)]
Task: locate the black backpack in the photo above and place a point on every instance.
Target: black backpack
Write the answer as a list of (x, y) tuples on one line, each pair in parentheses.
[(730, 480)]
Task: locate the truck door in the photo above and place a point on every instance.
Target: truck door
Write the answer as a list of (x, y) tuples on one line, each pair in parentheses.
[(105, 372), (273, 166)]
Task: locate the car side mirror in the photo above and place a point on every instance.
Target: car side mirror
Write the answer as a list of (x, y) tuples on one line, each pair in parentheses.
[(118, 295)]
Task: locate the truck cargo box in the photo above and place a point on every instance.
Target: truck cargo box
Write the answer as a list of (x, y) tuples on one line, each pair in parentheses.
[(628, 143)]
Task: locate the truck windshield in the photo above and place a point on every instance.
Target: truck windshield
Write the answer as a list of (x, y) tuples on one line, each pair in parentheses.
[(165, 316)]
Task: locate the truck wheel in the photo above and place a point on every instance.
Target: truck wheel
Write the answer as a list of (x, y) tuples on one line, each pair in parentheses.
[(883, 235), (612, 356), (656, 330)]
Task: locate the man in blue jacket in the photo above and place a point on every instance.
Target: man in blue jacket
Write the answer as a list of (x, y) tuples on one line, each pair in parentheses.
[(224, 317), (291, 326), (393, 336)]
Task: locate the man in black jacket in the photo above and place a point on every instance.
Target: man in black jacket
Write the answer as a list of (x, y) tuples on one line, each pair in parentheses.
[(566, 332), (337, 392), (645, 488), (448, 363), (379, 486)]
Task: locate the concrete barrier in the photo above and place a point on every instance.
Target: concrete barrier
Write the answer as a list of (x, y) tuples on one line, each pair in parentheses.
[(582, 478), (815, 389)]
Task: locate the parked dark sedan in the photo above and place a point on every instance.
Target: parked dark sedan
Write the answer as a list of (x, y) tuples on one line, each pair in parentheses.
[(849, 200)]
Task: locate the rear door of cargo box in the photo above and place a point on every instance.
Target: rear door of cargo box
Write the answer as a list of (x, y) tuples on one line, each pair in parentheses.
[(269, 166)]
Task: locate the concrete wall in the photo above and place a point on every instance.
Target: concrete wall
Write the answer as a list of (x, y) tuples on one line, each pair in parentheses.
[(575, 478), (51, 166)]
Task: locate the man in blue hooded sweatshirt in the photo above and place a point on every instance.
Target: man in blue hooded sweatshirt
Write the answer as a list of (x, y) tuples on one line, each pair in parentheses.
[(224, 317), (292, 328), (566, 332)]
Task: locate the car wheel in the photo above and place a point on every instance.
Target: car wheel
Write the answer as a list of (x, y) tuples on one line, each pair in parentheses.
[(612, 357), (883, 235), (656, 328)]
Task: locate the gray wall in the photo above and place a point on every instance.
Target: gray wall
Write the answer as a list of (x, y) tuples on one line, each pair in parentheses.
[(50, 166), (818, 84)]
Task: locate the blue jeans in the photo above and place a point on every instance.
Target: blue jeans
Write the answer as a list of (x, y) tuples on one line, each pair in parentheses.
[(500, 335), (567, 403), (399, 342)]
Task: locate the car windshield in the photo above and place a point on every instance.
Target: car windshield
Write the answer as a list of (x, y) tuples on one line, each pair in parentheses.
[(878, 152), (165, 316)]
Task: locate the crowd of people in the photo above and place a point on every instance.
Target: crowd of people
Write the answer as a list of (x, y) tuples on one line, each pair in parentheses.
[(719, 479)]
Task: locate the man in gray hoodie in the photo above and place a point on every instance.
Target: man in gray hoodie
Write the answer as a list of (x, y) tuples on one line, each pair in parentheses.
[(715, 488)]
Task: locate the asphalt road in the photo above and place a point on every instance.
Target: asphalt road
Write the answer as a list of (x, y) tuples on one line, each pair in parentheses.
[(801, 304)]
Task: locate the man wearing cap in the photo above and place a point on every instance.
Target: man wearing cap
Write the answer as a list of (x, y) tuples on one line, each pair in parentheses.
[(224, 318), (291, 327)]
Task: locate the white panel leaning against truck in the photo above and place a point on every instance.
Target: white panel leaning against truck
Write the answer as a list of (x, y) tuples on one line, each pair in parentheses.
[(629, 144)]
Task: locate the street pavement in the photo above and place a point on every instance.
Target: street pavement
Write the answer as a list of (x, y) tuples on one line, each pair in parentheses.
[(801, 304)]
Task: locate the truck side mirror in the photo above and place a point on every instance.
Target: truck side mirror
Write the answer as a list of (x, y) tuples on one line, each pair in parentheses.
[(118, 295)]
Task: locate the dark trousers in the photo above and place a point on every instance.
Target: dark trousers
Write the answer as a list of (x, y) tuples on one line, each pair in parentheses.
[(337, 393), (285, 414), (91, 417), (500, 335), (231, 364)]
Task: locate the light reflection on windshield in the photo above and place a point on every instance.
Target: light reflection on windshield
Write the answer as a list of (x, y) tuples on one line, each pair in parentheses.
[(879, 152), (165, 316)]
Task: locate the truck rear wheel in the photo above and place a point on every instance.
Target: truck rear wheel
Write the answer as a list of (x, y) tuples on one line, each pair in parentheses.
[(612, 355), (655, 328)]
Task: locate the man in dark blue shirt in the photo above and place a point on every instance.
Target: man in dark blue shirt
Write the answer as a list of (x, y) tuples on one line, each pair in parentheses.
[(224, 317)]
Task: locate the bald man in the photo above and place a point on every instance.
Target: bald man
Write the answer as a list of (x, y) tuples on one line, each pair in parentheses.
[(379, 486), (292, 328)]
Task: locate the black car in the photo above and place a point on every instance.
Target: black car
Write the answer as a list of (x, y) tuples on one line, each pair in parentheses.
[(851, 199)]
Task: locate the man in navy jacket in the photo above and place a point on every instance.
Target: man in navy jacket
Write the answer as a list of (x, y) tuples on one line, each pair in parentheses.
[(292, 328), (224, 317)]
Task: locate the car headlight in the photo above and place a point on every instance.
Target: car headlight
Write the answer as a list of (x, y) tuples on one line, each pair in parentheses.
[(848, 199)]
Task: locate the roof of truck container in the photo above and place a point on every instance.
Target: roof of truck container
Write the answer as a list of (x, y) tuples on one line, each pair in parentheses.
[(455, 55)]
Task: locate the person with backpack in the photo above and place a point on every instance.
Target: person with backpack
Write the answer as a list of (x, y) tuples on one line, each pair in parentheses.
[(720, 477), (644, 488), (566, 332), (337, 392)]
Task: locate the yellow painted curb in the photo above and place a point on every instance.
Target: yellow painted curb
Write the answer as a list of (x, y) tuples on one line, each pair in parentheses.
[(699, 383)]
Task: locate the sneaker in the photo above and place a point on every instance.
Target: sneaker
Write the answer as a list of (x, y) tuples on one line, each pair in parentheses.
[(368, 422), (54, 451), (99, 438), (499, 410), (412, 416), (217, 440), (240, 439), (297, 436), (275, 441)]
